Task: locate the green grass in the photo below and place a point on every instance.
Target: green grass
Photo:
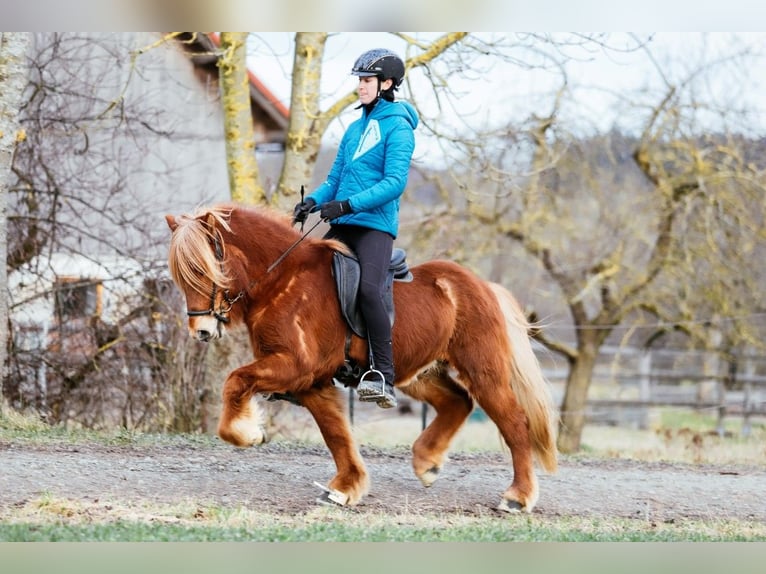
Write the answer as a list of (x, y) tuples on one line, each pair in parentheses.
[(701, 421), (27, 429), (516, 529), (54, 519)]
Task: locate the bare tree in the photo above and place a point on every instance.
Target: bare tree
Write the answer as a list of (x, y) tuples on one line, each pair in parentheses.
[(613, 242), (90, 286), (244, 178), (619, 224), (13, 48)]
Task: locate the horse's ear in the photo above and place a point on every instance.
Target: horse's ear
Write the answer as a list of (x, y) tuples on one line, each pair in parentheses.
[(172, 223), (211, 221)]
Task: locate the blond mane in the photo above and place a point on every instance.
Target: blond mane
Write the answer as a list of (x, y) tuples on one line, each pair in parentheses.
[(192, 260)]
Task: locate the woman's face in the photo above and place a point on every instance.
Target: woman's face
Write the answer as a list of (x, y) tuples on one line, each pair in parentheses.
[(368, 88)]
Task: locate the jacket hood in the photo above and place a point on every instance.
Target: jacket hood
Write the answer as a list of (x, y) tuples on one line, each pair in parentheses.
[(385, 109)]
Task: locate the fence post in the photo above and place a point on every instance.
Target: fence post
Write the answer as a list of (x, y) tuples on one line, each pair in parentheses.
[(644, 387), (711, 367), (721, 387), (747, 401)]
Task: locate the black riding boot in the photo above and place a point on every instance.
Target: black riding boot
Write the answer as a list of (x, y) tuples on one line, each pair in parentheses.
[(377, 384)]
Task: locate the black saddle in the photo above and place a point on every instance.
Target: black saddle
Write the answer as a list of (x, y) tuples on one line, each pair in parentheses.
[(345, 269)]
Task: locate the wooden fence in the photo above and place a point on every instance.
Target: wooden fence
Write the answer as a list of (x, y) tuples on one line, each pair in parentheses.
[(628, 382)]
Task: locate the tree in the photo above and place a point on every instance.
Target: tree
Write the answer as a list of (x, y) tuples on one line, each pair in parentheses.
[(619, 223), (13, 50), (106, 147), (612, 242), (244, 179)]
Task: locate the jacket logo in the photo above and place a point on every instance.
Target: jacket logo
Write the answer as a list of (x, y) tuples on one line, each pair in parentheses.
[(370, 138)]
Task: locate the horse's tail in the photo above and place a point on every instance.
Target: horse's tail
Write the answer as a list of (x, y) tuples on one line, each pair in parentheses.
[(527, 380)]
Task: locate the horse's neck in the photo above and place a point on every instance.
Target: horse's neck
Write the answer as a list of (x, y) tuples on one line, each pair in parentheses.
[(263, 243)]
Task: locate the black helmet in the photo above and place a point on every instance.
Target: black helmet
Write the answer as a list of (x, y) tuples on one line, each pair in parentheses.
[(382, 63)]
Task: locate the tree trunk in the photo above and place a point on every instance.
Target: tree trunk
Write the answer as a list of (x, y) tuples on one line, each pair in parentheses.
[(13, 49), (244, 178), (576, 399), (307, 124)]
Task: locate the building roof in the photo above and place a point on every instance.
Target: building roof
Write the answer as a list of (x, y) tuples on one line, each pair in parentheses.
[(203, 50)]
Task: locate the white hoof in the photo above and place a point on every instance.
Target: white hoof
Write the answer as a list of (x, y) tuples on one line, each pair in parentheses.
[(249, 429), (331, 497), (511, 506), (429, 476)]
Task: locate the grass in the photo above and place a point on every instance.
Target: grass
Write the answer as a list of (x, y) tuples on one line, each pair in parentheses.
[(674, 435), (679, 435), (28, 429), (50, 519)]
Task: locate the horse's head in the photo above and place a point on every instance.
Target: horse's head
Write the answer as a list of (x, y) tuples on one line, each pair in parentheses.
[(196, 261)]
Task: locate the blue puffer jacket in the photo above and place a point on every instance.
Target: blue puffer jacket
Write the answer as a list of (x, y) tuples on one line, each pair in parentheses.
[(372, 166)]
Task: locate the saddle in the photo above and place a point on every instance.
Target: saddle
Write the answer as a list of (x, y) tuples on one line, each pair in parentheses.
[(345, 269)]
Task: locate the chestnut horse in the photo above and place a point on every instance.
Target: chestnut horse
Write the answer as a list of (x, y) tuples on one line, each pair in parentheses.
[(457, 339)]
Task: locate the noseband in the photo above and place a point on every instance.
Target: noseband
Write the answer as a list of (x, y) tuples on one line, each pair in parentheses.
[(227, 303), (220, 313)]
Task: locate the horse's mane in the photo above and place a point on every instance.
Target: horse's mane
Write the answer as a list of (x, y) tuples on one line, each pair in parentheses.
[(191, 260)]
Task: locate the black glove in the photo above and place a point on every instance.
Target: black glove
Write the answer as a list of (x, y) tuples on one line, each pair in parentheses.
[(334, 209), (302, 210)]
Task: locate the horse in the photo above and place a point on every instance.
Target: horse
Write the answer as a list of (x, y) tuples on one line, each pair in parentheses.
[(457, 340)]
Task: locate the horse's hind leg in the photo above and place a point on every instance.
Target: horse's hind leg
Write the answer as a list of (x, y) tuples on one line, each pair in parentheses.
[(452, 405), (351, 481), (495, 395)]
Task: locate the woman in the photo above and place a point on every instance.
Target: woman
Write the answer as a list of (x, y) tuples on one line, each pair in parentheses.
[(360, 199)]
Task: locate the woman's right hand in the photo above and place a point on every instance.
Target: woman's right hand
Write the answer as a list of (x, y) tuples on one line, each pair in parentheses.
[(302, 210)]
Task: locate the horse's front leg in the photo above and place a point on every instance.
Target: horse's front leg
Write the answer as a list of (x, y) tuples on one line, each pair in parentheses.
[(242, 421), (351, 481)]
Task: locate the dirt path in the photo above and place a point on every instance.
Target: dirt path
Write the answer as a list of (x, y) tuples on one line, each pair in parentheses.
[(279, 478)]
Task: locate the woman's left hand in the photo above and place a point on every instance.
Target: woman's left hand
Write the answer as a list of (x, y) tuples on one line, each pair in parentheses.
[(334, 209)]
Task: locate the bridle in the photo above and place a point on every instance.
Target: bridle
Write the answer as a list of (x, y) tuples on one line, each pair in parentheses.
[(220, 313), (228, 302)]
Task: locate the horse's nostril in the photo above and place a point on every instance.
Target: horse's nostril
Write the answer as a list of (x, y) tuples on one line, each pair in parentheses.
[(203, 335)]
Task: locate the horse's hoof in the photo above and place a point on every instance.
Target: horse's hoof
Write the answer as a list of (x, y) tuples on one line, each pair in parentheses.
[(243, 437), (429, 476), (331, 497), (257, 438), (510, 506)]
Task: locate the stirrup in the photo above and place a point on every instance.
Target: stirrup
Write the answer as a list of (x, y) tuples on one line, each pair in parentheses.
[(375, 390)]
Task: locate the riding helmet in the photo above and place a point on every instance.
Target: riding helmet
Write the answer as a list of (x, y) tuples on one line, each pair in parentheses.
[(382, 63)]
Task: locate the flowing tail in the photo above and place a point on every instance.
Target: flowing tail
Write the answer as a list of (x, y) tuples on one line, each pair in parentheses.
[(528, 383)]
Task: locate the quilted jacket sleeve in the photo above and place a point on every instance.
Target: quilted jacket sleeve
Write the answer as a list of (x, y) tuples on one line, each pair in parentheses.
[(329, 188)]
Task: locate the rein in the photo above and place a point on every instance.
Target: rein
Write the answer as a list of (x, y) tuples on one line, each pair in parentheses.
[(293, 246), (222, 311)]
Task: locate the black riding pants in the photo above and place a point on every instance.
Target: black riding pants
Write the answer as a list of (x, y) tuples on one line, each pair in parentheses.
[(373, 249)]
